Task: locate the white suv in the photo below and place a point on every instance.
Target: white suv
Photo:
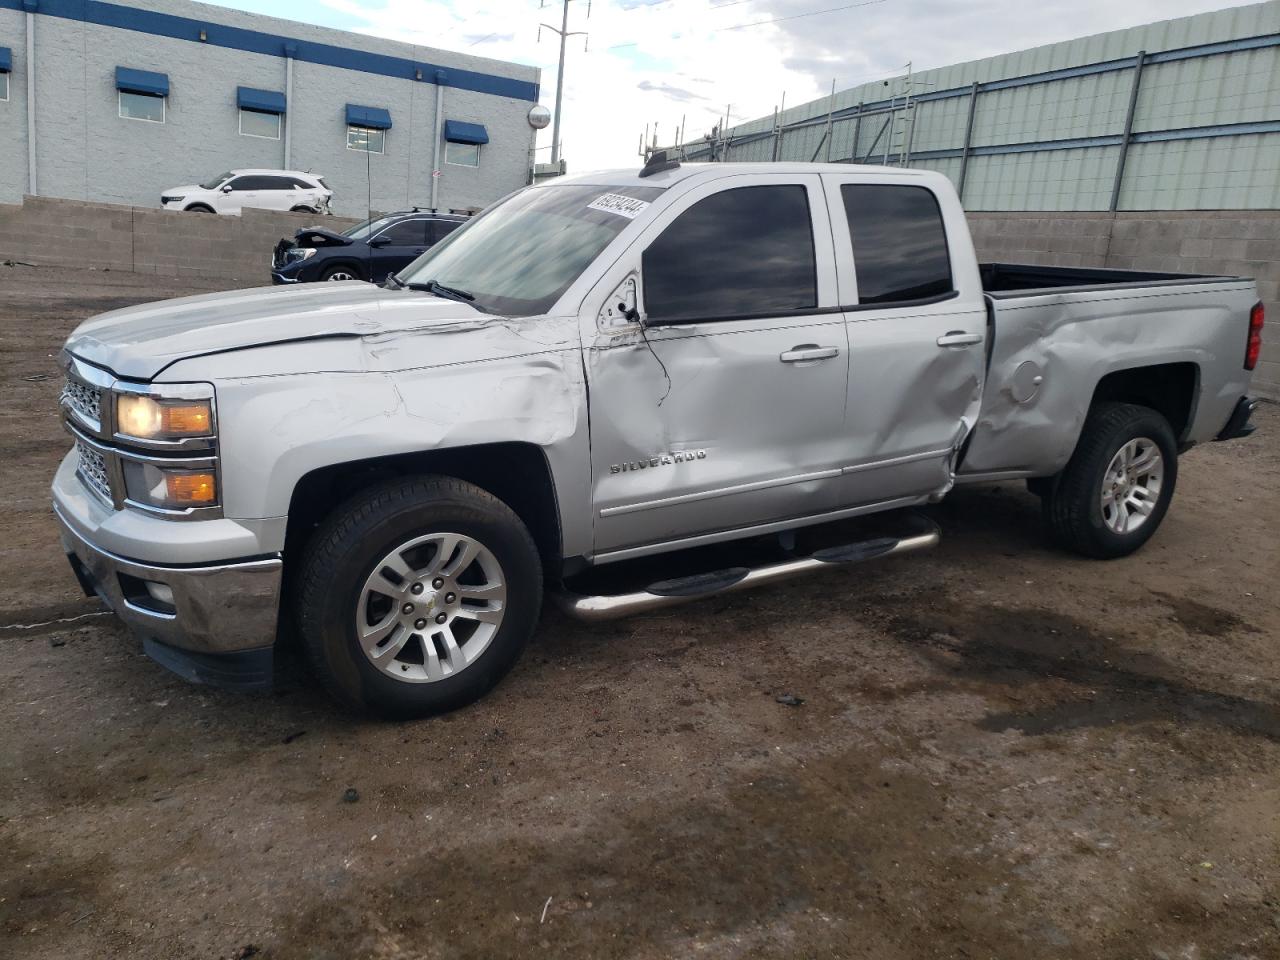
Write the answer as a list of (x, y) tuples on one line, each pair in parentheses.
[(234, 190)]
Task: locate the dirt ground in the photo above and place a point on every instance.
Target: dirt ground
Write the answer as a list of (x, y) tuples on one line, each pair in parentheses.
[(1002, 752)]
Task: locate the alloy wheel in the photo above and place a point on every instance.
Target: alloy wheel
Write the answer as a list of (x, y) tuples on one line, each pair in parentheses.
[(431, 607), (1131, 485)]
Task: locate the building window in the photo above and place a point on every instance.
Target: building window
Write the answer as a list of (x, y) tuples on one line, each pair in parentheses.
[(4, 86), (366, 138), (462, 154), (259, 123), (142, 106)]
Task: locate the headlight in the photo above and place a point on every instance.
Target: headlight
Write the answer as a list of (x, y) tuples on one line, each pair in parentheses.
[(175, 412), (169, 488), (172, 199), (294, 254)]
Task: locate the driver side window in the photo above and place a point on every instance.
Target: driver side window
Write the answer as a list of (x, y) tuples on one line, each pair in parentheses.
[(743, 252)]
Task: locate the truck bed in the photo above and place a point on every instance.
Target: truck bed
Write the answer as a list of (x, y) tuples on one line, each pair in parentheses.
[(1005, 280)]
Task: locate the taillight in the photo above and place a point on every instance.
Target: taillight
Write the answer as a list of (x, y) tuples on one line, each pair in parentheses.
[(1253, 346)]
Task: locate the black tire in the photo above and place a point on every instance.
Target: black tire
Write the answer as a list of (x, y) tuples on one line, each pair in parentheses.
[(199, 208), (302, 210), (329, 272), (1072, 502), (343, 553)]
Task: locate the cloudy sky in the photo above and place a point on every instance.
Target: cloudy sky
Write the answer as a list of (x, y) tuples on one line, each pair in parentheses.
[(658, 61)]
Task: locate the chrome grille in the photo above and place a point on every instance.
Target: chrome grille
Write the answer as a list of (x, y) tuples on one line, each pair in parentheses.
[(92, 469), (83, 399)]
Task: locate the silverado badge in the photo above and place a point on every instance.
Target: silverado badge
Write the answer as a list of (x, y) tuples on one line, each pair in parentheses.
[(658, 461)]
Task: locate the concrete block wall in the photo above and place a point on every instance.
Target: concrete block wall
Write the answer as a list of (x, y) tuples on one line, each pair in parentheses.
[(103, 236), (1222, 242)]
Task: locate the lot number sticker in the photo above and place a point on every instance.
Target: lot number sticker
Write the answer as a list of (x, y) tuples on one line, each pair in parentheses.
[(616, 203)]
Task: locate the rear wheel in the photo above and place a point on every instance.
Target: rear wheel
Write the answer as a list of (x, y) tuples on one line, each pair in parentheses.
[(342, 271), (1115, 490), (302, 210), (418, 596)]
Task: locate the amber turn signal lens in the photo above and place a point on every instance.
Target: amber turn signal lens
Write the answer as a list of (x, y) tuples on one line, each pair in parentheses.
[(191, 489), (189, 420)]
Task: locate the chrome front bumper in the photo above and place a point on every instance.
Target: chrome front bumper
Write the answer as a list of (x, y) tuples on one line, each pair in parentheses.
[(225, 608)]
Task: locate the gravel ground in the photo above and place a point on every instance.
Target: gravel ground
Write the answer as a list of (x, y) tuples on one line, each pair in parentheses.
[(1002, 751)]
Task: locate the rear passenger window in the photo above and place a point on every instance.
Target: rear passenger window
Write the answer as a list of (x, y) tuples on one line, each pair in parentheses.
[(254, 183), (407, 233), (899, 243), (740, 252)]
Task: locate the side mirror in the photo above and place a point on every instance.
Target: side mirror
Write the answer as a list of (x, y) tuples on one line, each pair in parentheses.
[(227, 188), (380, 242), (623, 305)]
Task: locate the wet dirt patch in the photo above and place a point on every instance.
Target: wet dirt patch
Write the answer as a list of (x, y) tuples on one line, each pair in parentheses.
[(1075, 676), (36, 894), (1196, 617), (810, 845)]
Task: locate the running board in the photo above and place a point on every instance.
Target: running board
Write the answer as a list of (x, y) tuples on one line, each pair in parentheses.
[(668, 593)]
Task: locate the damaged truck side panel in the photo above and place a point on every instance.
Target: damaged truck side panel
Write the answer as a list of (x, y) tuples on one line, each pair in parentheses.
[(406, 392), (1051, 351)]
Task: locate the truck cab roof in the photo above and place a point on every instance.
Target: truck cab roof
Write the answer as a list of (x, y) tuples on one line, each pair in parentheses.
[(630, 176)]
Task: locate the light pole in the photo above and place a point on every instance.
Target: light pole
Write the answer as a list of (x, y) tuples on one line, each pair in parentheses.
[(565, 33)]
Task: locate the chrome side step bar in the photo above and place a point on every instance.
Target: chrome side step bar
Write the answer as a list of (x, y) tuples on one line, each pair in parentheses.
[(699, 586)]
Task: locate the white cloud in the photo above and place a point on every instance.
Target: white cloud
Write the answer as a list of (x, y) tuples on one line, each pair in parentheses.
[(658, 61)]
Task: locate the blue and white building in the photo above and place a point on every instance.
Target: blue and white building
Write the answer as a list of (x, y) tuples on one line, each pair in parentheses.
[(115, 101)]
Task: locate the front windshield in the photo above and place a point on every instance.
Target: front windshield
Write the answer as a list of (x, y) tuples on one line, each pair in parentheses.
[(362, 231), (519, 257), (215, 182)]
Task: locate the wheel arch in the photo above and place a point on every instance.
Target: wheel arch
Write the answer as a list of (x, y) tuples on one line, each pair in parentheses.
[(515, 472), (198, 207), (351, 263), (1171, 389)]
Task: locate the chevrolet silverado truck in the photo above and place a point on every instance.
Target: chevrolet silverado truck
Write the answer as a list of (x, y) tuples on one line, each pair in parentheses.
[(618, 371)]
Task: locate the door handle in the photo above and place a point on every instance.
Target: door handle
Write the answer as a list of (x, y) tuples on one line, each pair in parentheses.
[(958, 338), (807, 351)]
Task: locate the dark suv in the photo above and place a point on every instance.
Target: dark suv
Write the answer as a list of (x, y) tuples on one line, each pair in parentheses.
[(367, 251)]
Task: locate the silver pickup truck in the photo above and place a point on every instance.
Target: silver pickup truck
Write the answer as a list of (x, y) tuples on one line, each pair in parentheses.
[(633, 374)]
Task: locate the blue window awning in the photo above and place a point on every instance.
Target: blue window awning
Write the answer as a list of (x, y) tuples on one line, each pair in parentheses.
[(458, 131), (267, 101), (142, 81), (375, 118), (6, 59)]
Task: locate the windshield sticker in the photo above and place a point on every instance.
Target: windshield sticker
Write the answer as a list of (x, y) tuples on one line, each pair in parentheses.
[(627, 207)]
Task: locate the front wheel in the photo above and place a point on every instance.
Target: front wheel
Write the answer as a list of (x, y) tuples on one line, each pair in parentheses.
[(418, 596), (1116, 489), (342, 272)]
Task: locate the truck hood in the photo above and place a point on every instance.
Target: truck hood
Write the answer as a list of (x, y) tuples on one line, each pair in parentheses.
[(139, 342)]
